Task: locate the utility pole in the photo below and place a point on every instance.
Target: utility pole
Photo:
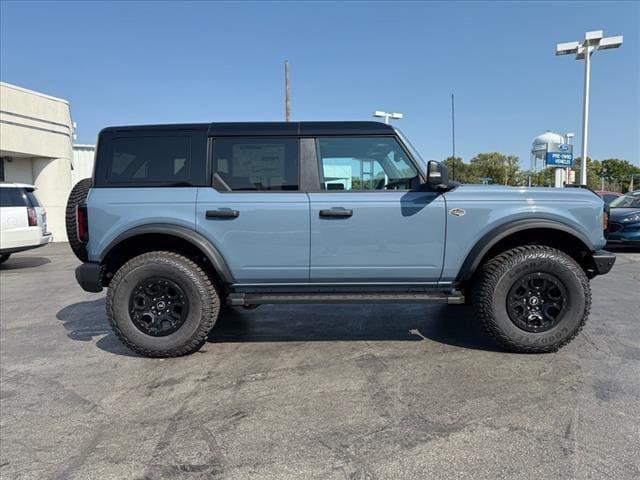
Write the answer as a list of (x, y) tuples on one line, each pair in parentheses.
[(592, 41), (287, 93), (453, 139)]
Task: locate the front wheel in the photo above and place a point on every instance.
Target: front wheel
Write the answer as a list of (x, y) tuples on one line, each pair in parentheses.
[(161, 304), (532, 299)]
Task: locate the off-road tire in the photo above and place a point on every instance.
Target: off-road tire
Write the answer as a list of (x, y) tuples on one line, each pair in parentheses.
[(497, 277), (77, 196), (203, 304), (5, 257)]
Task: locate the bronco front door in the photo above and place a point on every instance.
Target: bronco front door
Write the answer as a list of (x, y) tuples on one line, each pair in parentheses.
[(370, 222)]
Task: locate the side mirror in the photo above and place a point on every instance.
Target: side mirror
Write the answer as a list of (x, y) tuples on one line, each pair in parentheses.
[(437, 174)]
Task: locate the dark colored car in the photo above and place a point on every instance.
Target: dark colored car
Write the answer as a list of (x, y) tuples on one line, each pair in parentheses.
[(607, 196), (624, 220)]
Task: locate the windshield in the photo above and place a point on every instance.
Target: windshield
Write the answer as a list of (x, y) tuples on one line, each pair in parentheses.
[(630, 200), (414, 153)]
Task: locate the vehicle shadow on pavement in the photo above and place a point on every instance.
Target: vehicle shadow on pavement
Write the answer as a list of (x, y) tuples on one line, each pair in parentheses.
[(454, 325), (85, 321), (17, 263)]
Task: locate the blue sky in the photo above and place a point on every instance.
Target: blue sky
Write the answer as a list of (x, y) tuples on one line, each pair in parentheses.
[(129, 63)]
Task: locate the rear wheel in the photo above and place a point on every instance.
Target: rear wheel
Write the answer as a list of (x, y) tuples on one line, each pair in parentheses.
[(77, 197), (5, 257), (161, 304), (532, 299)]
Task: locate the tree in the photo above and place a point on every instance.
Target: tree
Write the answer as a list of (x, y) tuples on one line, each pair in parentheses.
[(461, 172), (617, 173), (610, 174), (543, 178), (495, 167), (594, 169)]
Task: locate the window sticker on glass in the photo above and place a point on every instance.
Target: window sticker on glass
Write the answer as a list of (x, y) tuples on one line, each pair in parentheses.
[(223, 165), (258, 160)]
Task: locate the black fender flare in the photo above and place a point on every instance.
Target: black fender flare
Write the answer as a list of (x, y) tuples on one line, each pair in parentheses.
[(491, 238), (197, 240)]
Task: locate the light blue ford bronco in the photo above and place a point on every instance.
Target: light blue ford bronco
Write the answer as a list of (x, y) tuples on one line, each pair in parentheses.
[(182, 221)]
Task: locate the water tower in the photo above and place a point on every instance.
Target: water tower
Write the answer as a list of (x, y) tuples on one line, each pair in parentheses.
[(549, 149)]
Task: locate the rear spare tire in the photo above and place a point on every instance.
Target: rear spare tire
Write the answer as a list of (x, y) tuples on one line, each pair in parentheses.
[(77, 197)]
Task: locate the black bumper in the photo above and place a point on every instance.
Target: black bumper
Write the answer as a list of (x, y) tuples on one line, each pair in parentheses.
[(89, 277), (603, 261)]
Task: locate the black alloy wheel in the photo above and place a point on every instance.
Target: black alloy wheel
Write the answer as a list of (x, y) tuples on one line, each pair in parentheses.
[(158, 306), (536, 302)]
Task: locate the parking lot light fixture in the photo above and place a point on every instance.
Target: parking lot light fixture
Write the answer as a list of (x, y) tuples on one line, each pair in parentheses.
[(387, 116), (593, 41)]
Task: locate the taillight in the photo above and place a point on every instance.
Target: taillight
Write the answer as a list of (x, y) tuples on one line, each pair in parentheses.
[(33, 217), (82, 224)]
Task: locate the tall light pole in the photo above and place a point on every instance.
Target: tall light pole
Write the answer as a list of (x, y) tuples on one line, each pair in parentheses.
[(387, 116), (592, 41)]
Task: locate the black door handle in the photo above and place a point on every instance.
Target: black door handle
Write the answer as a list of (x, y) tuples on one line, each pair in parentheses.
[(222, 213), (336, 213)]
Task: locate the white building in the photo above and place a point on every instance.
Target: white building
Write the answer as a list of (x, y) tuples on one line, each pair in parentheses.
[(82, 166), (36, 147)]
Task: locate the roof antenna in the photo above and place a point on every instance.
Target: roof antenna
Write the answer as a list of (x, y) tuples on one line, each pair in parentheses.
[(453, 139)]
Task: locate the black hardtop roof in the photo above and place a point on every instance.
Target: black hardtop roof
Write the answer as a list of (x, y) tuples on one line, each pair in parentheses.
[(228, 129)]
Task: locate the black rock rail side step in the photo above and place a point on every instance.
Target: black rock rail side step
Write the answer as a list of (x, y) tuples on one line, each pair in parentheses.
[(240, 299)]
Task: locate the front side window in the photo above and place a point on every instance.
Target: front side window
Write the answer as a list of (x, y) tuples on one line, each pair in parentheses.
[(257, 164), (150, 160), (364, 164)]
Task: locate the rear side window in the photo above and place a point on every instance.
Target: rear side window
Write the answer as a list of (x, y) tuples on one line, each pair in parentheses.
[(257, 164), (150, 160), (12, 197)]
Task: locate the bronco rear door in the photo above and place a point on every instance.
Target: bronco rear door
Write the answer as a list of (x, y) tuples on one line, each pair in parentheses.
[(255, 213)]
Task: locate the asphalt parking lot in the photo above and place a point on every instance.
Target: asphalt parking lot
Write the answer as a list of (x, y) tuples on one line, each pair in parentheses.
[(322, 391)]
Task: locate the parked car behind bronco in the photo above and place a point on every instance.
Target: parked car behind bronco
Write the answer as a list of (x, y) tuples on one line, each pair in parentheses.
[(180, 219), (625, 221), (23, 222), (606, 196)]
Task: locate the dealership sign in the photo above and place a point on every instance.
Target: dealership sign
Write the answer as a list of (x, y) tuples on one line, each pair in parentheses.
[(559, 155)]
